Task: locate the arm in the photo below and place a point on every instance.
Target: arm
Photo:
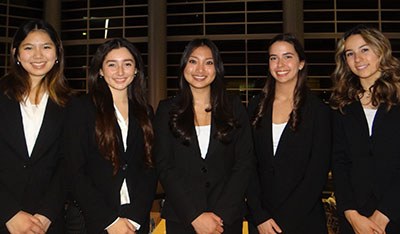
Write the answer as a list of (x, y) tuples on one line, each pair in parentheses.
[(341, 166), (309, 190), (79, 144), (171, 179), (229, 203)]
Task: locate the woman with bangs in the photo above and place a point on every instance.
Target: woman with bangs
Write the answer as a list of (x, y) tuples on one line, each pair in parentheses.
[(366, 133), (33, 97), (203, 148)]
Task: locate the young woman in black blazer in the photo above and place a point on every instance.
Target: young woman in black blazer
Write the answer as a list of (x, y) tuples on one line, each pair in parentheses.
[(32, 99), (203, 148), (291, 131), (109, 142), (366, 152)]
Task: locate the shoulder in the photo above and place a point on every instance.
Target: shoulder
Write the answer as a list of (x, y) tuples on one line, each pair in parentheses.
[(254, 102), (316, 103), (167, 104)]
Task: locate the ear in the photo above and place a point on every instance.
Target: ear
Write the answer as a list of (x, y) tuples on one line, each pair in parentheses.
[(14, 50), (301, 65), (101, 72)]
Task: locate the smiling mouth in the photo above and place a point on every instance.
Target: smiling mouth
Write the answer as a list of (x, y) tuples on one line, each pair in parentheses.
[(38, 65), (281, 73), (362, 67)]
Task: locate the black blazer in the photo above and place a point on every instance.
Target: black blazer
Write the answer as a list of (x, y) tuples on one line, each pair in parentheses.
[(366, 169), (95, 188), (290, 184), (32, 184), (194, 185)]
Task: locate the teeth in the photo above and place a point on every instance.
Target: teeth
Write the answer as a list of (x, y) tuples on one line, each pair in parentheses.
[(361, 67), (282, 72)]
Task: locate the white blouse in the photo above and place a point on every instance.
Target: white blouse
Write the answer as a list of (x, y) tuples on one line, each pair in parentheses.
[(370, 115), (203, 137), (277, 130), (32, 119)]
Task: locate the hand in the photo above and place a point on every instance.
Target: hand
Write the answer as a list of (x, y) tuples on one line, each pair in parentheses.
[(122, 226), (269, 227), (23, 222), (44, 220), (380, 219), (361, 224), (208, 223)]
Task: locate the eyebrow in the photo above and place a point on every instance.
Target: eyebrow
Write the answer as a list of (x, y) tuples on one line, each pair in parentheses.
[(46, 43), (191, 56), (286, 53), (115, 60), (358, 47)]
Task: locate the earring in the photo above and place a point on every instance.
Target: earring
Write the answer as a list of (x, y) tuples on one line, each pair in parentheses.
[(101, 77), (56, 61), (18, 63)]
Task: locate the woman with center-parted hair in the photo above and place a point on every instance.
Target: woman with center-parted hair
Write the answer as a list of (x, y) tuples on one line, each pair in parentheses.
[(203, 148), (33, 97), (292, 139), (109, 143)]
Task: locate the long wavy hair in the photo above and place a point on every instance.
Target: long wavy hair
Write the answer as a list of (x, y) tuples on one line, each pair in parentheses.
[(268, 93), (182, 116), (346, 85), (16, 83), (105, 127)]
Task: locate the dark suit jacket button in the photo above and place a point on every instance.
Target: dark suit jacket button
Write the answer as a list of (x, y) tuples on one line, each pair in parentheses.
[(25, 166), (207, 184), (124, 167), (204, 169)]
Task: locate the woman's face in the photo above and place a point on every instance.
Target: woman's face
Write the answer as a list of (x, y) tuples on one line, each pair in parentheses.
[(37, 54), (284, 62), (200, 69), (118, 69), (361, 59)]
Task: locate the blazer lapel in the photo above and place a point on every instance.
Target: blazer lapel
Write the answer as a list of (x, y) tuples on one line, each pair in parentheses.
[(50, 129), (358, 119)]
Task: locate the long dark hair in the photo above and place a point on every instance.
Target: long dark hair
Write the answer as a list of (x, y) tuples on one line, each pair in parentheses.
[(16, 83), (346, 85), (300, 90), (106, 132), (182, 116)]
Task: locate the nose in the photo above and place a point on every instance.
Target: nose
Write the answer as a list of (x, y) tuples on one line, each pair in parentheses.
[(37, 53), (200, 67), (280, 62), (120, 70), (357, 57)]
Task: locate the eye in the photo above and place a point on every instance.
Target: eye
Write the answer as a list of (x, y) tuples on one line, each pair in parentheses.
[(365, 49), (288, 56), (210, 62), (111, 65), (47, 47), (272, 58), (348, 54), (27, 48), (192, 61), (128, 64)]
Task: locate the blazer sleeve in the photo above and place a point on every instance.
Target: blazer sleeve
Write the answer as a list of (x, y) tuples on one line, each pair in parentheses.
[(341, 166), (258, 213), (230, 202), (309, 191), (54, 200), (78, 140), (169, 176), (143, 190)]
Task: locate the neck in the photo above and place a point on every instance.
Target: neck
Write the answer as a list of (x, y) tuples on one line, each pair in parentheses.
[(201, 97), (119, 97), (284, 91)]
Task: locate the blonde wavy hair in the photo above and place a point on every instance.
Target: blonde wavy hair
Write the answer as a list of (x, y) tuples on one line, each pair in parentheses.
[(346, 85)]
